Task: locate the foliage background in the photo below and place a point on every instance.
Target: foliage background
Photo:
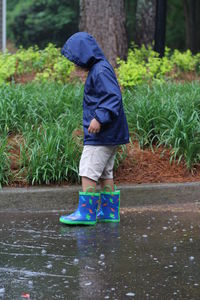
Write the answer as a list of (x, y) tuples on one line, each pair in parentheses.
[(39, 22)]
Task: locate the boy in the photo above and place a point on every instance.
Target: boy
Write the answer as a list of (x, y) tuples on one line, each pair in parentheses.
[(105, 127)]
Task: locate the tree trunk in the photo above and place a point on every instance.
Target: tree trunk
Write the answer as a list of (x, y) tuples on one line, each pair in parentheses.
[(105, 20), (192, 21), (130, 9), (145, 21), (160, 26)]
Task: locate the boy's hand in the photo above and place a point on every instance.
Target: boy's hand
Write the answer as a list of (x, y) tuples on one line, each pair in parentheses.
[(94, 127)]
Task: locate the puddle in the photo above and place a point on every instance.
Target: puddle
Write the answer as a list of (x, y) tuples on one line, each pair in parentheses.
[(150, 254)]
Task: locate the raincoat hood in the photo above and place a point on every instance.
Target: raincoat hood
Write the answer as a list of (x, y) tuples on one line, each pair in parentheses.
[(82, 49)]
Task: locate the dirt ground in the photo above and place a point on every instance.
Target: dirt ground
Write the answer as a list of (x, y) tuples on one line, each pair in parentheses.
[(146, 166)]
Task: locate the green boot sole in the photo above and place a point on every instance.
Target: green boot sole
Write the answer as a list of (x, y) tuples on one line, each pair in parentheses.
[(70, 222)]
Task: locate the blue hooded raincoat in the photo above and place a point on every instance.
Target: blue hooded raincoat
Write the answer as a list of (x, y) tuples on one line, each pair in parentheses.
[(102, 96)]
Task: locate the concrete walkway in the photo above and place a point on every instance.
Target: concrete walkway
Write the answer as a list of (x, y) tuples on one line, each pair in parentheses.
[(65, 198)]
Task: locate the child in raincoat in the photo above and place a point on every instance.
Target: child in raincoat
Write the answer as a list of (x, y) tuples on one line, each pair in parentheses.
[(105, 127)]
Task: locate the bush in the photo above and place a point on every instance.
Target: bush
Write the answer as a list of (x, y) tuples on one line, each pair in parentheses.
[(44, 65), (184, 61), (7, 67), (144, 65)]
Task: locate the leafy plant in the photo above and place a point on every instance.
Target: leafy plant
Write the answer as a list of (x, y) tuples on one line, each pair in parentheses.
[(4, 162), (45, 65), (183, 61), (7, 67), (144, 65)]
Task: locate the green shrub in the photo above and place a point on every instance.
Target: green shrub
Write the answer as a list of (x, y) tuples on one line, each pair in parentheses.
[(47, 64), (183, 61), (28, 60), (59, 72), (142, 65), (7, 67)]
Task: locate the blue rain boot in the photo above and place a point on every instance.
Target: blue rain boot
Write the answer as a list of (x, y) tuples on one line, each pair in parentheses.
[(86, 212), (109, 207)]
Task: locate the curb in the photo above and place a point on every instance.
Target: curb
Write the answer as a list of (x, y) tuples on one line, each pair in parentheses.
[(65, 198)]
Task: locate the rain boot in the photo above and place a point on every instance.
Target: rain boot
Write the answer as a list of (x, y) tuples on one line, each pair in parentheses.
[(109, 206), (86, 212)]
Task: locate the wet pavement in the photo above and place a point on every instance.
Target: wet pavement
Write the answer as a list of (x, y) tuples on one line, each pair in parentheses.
[(150, 254)]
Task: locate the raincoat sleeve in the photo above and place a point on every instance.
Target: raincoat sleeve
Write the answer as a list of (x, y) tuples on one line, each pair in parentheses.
[(109, 98)]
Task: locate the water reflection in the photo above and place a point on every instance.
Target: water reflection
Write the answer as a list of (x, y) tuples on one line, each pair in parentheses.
[(93, 246)]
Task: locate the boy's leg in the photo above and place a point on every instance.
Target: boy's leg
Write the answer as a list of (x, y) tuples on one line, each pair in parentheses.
[(110, 199), (87, 182), (92, 164), (106, 178), (107, 182)]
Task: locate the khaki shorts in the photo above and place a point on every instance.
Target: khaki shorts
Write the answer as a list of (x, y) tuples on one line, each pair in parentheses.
[(97, 162)]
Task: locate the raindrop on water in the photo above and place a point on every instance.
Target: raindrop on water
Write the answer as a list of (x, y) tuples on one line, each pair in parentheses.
[(76, 261), (88, 283), (49, 266), (191, 258), (2, 291), (130, 294), (30, 283), (101, 263)]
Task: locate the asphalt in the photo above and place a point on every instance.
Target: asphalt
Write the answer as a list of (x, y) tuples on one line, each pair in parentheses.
[(65, 198)]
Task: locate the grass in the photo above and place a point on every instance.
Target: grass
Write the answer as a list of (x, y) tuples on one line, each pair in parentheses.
[(5, 172), (169, 115), (45, 117)]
